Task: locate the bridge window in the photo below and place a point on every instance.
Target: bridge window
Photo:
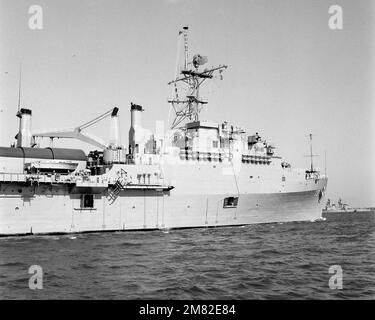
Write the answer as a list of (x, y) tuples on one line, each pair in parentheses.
[(87, 201), (230, 202)]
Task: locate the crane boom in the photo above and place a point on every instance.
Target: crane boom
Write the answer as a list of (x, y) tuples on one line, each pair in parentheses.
[(76, 133), (112, 112)]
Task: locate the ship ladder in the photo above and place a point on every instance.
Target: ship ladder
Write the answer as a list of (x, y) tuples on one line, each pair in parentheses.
[(115, 191)]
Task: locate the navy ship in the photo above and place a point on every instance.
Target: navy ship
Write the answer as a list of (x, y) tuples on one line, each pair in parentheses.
[(340, 207), (194, 173)]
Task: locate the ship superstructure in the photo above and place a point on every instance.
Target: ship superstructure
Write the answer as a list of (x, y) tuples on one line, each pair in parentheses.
[(197, 173)]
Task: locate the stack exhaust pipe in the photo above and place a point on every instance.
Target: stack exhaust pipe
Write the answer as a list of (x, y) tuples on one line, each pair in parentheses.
[(136, 116), (114, 139), (24, 137), (135, 126)]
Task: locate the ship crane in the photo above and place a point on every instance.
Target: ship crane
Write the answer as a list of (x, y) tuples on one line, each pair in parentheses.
[(76, 133)]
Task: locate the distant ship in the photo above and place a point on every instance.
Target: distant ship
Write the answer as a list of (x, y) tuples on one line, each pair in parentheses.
[(196, 173), (341, 207)]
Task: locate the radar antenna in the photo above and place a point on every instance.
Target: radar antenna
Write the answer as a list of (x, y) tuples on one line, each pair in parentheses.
[(189, 107)]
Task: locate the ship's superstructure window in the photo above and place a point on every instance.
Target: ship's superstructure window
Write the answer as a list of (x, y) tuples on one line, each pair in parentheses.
[(87, 201), (230, 202)]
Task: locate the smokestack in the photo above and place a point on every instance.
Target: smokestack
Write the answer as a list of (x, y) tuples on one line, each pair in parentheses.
[(24, 132), (114, 139), (136, 115), (135, 125)]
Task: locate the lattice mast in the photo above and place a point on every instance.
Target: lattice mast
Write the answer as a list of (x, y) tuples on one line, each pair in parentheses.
[(188, 108)]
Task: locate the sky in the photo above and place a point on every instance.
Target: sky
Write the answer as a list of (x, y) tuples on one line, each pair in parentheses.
[(288, 73)]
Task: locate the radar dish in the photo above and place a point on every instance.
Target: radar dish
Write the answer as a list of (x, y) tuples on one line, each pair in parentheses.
[(199, 60)]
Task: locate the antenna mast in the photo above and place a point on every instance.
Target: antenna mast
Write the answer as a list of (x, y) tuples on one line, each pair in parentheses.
[(311, 155), (325, 163), (19, 90), (185, 33), (190, 106)]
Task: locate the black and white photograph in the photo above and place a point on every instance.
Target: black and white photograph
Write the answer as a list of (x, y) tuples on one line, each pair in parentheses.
[(196, 152)]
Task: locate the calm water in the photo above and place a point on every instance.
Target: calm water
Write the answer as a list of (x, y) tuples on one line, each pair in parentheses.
[(289, 260)]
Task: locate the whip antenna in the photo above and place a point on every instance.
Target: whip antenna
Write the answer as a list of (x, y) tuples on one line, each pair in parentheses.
[(19, 88)]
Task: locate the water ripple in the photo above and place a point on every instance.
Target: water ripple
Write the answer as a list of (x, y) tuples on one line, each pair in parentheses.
[(271, 261)]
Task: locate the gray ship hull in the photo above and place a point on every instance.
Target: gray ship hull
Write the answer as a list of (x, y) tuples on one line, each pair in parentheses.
[(54, 209)]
